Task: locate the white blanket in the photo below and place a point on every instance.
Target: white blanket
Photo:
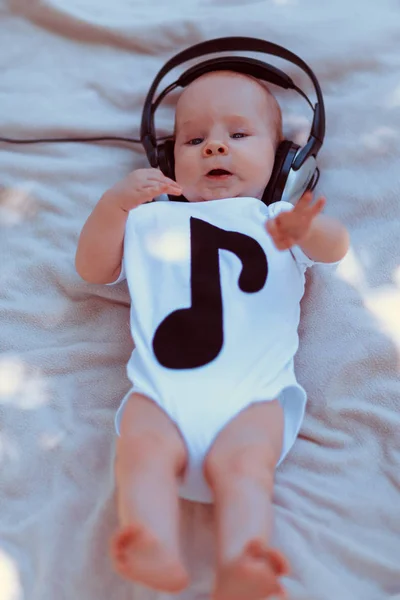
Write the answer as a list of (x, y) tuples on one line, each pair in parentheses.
[(82, 68)]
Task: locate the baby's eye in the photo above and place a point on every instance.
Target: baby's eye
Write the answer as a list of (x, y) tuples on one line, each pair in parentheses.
[(238, 135), (195, 141)]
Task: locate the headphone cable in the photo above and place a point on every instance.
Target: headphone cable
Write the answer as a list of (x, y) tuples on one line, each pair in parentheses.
[(89, 139)]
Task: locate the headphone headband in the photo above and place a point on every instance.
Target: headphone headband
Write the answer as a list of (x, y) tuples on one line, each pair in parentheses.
[(271, 74)]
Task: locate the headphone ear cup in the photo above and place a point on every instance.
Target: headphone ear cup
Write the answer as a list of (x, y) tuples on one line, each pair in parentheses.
[(166, 163), (280, 171), (166, 160)]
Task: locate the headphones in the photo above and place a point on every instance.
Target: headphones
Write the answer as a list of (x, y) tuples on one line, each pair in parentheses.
[(295, 168)]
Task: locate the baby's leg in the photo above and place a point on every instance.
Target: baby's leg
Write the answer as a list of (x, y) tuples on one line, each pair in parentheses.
[(240, 470), (150, 456)]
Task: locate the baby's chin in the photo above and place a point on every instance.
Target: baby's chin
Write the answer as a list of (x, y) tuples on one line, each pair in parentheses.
[(204, 194), (219, 194)]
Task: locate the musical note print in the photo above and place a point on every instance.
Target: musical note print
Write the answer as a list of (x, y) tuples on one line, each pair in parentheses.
[(193, 337)]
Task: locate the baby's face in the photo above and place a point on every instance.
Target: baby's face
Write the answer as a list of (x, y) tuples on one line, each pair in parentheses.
[(225, 143)]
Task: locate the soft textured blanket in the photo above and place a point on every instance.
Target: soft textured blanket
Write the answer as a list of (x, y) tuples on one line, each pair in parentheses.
[(82, 68)]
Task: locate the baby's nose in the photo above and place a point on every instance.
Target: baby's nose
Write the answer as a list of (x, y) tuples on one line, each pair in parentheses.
[(213, 148)]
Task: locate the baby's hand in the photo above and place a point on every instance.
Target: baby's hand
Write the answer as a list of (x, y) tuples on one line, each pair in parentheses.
[(141, 186), (292, 227)]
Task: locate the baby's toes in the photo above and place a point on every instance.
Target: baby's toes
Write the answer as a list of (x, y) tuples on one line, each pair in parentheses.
[(278, 562)]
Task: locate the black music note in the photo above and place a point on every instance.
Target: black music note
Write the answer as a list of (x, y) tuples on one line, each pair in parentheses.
[(192, 337)]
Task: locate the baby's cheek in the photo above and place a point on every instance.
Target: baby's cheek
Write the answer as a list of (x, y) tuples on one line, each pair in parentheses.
[(182, 176), (182, 171), (187, 178)]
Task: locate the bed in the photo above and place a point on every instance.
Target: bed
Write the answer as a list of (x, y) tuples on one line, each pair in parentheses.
[(80, 69)]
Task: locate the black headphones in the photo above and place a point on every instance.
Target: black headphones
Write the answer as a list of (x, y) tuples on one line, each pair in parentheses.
[(295, 168)]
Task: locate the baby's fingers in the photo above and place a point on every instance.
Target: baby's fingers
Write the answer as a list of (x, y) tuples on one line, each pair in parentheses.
[(163, 187), (172, 188), (305, 206), (305, 201), (318, 207)]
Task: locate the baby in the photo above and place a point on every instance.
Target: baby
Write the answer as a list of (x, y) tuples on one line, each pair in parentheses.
[(215, 284)]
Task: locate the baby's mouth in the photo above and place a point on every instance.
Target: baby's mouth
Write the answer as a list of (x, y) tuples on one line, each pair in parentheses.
[(218, 174)]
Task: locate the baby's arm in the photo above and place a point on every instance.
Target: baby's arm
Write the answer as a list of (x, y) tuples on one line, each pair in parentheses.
[(100, 247), (99, 253), (327, 240), (321, 238)]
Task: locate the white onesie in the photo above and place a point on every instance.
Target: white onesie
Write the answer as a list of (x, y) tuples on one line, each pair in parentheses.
[(215, 309)]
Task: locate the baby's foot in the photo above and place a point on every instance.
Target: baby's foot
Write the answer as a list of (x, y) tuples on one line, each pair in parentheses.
[(253, 575), (141, 557)]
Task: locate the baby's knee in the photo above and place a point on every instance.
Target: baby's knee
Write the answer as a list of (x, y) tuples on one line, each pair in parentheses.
[(146, 447), (254, 461), (147, 435), (149, 451), (143, 446)]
